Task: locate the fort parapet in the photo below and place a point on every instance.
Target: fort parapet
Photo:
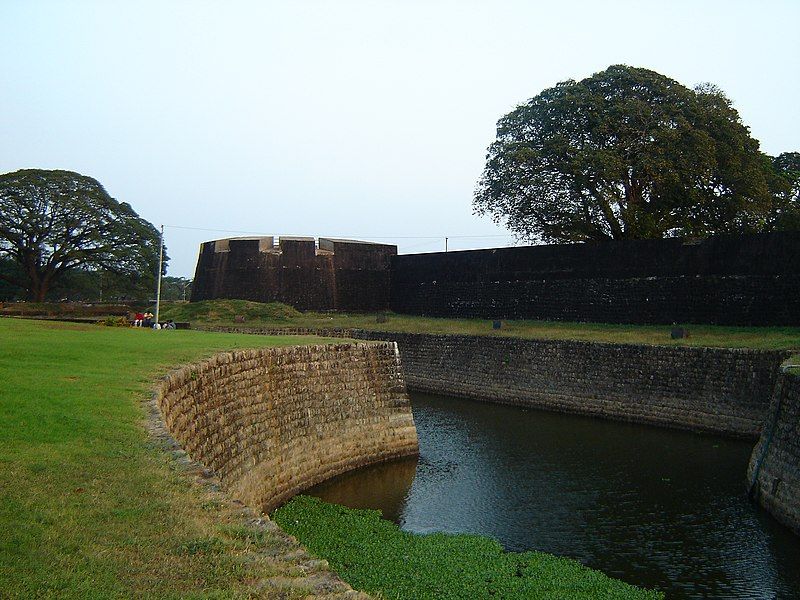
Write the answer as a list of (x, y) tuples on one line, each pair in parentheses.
[(331, 274), (724, 280), (774, 470)]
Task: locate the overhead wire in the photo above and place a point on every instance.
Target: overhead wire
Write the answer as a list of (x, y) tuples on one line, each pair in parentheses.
[(374, 237)]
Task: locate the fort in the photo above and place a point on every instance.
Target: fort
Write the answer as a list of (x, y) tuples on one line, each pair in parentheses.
[(330, 274), (744, 280)]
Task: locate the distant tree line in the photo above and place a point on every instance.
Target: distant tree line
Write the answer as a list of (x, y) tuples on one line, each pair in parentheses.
[(85, 285), (63, 237)]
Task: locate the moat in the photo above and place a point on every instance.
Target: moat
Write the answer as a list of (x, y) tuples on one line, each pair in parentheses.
[(655, 507)]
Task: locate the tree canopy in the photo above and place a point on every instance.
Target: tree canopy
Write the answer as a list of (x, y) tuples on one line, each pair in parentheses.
[(787, 211), (627, 154), (57, 222)]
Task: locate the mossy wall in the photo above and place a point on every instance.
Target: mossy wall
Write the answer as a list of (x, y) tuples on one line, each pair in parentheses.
[(272, 422), (774, 471)]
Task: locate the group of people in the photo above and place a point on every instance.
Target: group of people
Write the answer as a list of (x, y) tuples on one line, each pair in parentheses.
[(146, 320), (143, 319)]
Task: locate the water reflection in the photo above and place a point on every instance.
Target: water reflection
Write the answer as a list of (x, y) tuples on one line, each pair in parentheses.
[(658, 508), (383, 486)]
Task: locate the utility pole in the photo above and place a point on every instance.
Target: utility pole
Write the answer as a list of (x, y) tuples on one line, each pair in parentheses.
[(445, 244), (160, 267)]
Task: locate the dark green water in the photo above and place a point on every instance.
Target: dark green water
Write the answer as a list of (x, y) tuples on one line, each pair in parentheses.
[(657, 508)]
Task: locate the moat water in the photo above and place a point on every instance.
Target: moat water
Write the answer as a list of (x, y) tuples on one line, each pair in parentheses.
[(654, 507)]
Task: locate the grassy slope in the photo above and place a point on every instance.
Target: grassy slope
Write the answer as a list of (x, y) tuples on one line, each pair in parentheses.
[(222, 312), (87, 507), (438, 566)]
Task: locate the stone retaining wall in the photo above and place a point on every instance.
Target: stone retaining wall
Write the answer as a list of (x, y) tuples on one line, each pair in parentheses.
[(720, 390), (272, 422), (705, 389), (774, 471)]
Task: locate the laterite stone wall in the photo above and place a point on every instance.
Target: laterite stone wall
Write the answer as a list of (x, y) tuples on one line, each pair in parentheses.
[(704, 389), (272, 422), (719, 390), (337, 275), (774, 471), (735, 280)]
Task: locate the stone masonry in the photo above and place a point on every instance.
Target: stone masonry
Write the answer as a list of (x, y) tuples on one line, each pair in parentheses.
[(727, 280), (719, 390), (332, 274), (774, 471), (273, 422)]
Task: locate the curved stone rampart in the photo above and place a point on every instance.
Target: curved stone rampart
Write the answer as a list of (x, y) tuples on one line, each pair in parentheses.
[(332, 274), (774, 470), (272, 422)]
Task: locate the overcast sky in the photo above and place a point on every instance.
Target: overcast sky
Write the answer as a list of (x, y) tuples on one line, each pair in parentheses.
[(342, 118)]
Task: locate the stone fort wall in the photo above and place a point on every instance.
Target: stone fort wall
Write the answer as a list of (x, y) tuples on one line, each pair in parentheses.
[(332, 275), (774, 471), (273, 422), (746, 280), (719, 390)]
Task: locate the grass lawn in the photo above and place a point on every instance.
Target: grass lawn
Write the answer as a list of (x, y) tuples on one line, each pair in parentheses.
[(91, 508), (223, 312), (88, 507), (438, 566)]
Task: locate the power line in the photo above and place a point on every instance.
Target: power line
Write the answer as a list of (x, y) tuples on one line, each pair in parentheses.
[(376, 237)]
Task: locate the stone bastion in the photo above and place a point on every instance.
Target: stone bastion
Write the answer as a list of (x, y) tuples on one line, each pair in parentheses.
[(328, 274), (272, 422)]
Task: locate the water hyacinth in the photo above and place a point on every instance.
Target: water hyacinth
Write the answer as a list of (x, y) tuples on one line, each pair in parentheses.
[(375, 556)]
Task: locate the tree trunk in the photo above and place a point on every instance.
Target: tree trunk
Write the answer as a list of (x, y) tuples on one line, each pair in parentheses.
[(38, 292)]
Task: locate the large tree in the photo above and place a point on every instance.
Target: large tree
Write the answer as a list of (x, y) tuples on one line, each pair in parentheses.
[(53, 222), (787, 209), (625, 154)]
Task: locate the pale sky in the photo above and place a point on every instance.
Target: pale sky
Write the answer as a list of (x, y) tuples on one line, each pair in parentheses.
[(341, 118)]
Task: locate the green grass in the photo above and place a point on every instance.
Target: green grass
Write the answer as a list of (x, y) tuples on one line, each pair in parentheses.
[(89, 508), (792, 364), (223, 312), (374, 555)]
